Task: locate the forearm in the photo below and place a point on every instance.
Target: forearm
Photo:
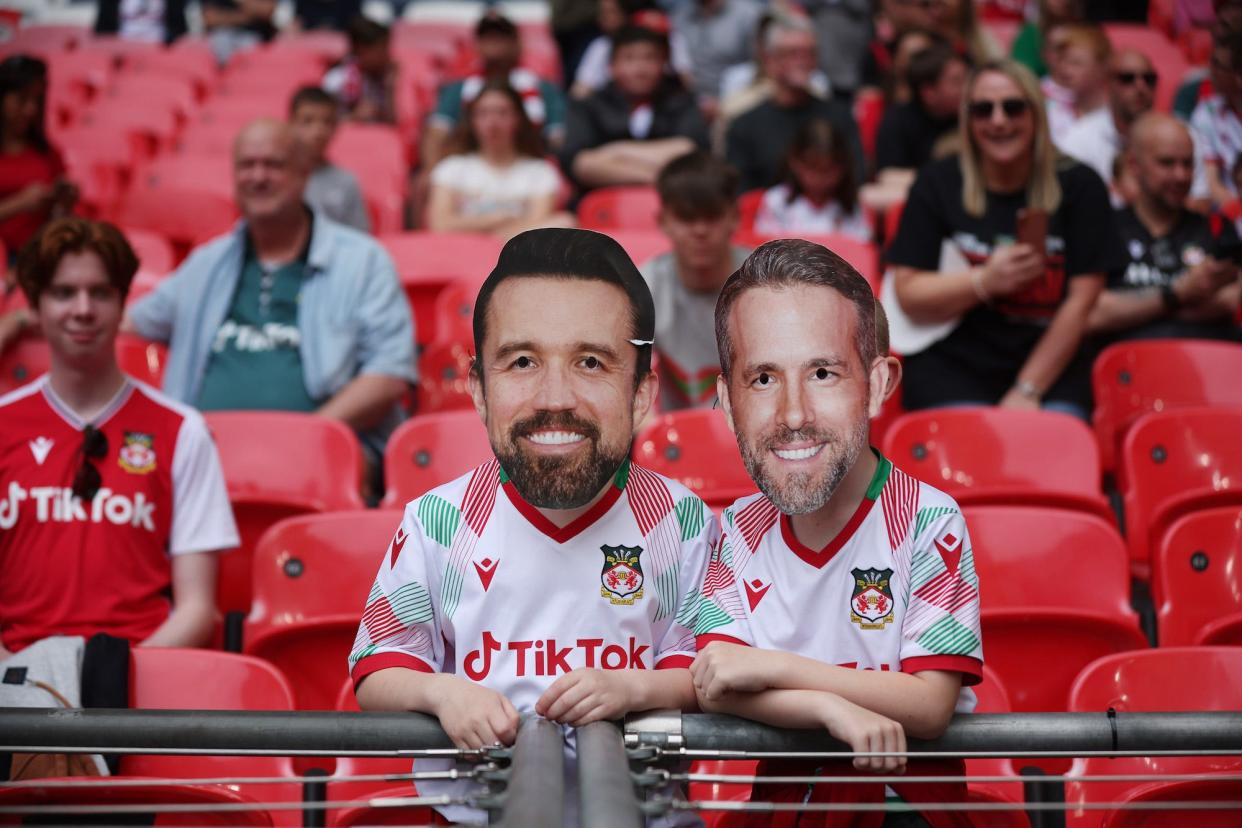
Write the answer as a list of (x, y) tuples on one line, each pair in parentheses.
[(671, 689), (432, 145), (190, 624), (14, 205), (779, 708), (929, 297), (1118, 310), (365, 401), (1223, 305), (607, 166), (402, 689), (448, 221), (1055, 349)]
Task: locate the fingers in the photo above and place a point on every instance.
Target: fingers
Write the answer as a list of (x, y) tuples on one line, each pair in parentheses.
[(553, 693), (504, 723), (573, 695)]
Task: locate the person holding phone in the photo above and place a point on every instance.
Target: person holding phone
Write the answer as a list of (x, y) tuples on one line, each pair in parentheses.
[(1032, 234)]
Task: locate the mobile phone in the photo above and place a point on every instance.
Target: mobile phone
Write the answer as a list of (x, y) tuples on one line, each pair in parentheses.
[(1227, 251), (1033, 229)]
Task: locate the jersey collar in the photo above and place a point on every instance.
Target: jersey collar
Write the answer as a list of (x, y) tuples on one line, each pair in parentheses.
[(71, 417), (819, 558), (561, 534)]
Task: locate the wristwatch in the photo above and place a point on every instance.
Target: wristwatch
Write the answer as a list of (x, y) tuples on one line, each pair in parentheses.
[(1027, 389), (1172, 302)]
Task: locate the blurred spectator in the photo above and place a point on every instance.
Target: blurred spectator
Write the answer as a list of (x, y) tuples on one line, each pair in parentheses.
[(326, 14), (756, 141), (958, 22), (91, 441), (718, 33), (33, 187), (1216, 123), (842, 31), (363, 82), (896, 87), (819, 194), (1083, 57), (698, 213), (982, 318), (574, 28), (1097, 138), (1028, 44), (236, 25), (626, 132), (500, 50), (1181, 275), (152, 21), (330, 189), (1123, 186), (1054, 84), (910, 132), (595, 70), (495, 178), (290, 311), (894, 19)]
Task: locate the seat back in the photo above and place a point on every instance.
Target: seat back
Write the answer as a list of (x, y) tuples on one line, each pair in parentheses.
[(1130, 379), (1197, 578), (311, 578), (23, 361), (454, 314), (999, 455), (428, 262), (696, 447), (443, 384), (1174, 462), (620, 208), (641, 245), (431, 449), (862, 256)]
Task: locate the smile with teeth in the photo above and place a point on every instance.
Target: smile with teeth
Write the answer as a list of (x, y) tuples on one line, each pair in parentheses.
[(798, 454), (555, 438)]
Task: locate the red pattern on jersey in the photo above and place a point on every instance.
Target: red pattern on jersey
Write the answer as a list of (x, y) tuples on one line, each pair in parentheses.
[(649, 499), (381, 622), (899, 499), (755, 520), (947, 591), (481, 496), (719, 577)]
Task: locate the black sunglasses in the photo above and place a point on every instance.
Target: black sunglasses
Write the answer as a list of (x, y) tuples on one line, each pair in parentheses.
[(1012, 107), (86, 481), (1128, 78)]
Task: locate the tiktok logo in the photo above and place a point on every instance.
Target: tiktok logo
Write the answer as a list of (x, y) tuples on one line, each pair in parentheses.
[(490, 645), (542, 656)]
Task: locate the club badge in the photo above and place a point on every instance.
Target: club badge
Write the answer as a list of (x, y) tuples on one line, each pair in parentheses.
[(622, 577), (871, 605), (137, 455)]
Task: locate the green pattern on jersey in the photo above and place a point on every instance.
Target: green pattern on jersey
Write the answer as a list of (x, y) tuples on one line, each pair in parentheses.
[(689, 611), (360, 654), (411, 604), (691, 517), (726, 553), (376, 592), (948, 637), (926, 516), (711, 617), (439, 518), (925, 564), (727, 517), (966, 568), (666, 590)]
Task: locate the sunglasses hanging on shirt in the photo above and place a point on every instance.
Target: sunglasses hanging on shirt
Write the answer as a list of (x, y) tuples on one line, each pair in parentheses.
[(87, 480)]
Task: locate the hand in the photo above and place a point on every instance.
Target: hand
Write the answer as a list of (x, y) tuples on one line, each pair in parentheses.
[(475, 716), (721, 668), (865, 732), (35, 196), (587, 695), (1201, 282), (1011, 269), (1016, 399)]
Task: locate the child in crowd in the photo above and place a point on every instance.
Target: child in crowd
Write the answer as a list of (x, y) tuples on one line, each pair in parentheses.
[(818, 195), (363, 83), (1081, 68), (330, 189)]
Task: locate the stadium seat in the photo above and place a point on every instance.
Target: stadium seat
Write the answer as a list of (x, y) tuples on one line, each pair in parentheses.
[(868, 112), (376, 154), (187, 200), (1196, 579), (156, 91), (155, 254), (992, 697), (24, 360), (194, 64), (620, 208), (142, 359), (47, 38), (748, 204), (149, 130), (454, 314), (279, 464), (997, 455), (695, 447), (642, 245), (311, 577), (99, 162), (1175, 679), (1130, 379), (1175, 462), (442, 378), (158, 793), (862, 256), (1056, 587), (428, 262), (328, 46), (429, 450)]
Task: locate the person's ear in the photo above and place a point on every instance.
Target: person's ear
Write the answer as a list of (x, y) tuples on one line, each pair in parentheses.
[(722, 393), (644, 398), (475, 380), (894, 375), (878, 380)]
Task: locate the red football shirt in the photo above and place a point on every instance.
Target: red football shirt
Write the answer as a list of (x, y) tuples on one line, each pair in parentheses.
[(74, 568)]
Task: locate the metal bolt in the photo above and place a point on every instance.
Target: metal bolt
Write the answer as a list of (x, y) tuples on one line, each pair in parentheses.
[(294, 567), (672, 452), (422, 458), (1158, 454), (1199, 561), (919, 451)]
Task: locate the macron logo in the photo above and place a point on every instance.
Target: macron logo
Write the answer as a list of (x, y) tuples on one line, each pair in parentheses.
[(397, 543), (755, 590), (39, 447), (486, 569)]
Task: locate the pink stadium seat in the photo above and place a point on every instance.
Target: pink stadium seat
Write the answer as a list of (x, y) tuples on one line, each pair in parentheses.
[(376, 154), (174, 93), (1130, 379), (327, 46), (47, 38), (620, 208), (1173, 463), (1197, 578), (150, 130), (185, 62), (142, 359), (187, 200), (454, 314), (272, 77), (22, 361), (154, 252), (1047, 571), (443, 369), (642, 245), (696, 447), (1149, 681), (428, 262), (1163, 53), (311, 577), (319, 470), (995, 455), (99, 162), (429, 450)]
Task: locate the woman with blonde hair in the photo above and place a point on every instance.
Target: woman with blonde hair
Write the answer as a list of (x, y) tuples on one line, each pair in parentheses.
[(999, 258)]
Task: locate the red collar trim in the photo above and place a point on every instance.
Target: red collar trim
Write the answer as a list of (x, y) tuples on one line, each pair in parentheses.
[(560, 534), (820, 558)]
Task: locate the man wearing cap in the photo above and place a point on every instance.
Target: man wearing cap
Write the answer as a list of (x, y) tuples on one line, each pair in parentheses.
[(557, 578)]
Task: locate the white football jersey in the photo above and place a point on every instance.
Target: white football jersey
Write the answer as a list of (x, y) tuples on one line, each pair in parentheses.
[(478, 583), (895, 590)]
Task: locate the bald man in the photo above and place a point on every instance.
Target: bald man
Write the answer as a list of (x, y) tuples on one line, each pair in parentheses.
[(1182, 278), (289, 311)]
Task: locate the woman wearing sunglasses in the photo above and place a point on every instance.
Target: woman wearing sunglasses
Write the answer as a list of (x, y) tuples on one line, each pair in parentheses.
[(111, 495), (999, 258)]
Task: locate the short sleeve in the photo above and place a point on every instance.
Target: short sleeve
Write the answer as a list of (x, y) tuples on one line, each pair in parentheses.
[(448, 173), (922, 228), (940, 630), (401, 623), (544, 179), (700, 533), (1092, 241), (1205, 133), (202, 519), (721, 616)]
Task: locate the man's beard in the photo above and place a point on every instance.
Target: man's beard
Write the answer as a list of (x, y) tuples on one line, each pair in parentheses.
[(567, 481), (801, 493)]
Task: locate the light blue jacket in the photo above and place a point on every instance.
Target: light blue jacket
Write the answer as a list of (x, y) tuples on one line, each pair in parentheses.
[(353, 316)]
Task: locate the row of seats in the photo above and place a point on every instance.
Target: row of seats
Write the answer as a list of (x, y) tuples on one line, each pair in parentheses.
[(171, 679)]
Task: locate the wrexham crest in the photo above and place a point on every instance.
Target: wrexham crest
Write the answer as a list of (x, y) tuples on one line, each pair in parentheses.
[(137, 456), (871, 605), (622, 577)]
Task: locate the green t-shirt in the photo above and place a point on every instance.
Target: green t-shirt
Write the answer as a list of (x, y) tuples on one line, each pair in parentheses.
[(1028, 48), (255, 360)]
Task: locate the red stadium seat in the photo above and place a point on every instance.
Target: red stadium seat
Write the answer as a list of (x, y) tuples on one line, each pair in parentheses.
[(1197, 577), (642, 245), (376, 154), (187, 61), (1173, 463), (696, 447), (992, 697), (454, 313), (187, 200), (748, 204), (142, 359), (311, 577), (157, 793), (155, 253), (442, 378), (620, 208), (26, 359), (279, 464), (47, 37), (428, 262), (149, 130), (1130, 379), (178, 94), (996, 455), (100, 162), (868, 112), (1175, 679), (1044, 571), (327, 46), (862, 256), (429, 450)]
